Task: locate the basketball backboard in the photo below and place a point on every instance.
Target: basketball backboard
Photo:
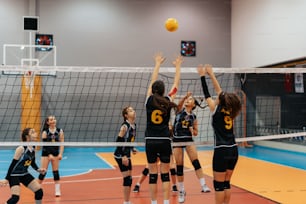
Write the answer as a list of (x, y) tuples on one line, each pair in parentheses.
[(30, 56)]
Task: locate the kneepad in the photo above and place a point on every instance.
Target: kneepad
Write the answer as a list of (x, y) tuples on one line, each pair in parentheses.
[(42, 176), (56, 176), (196, 164), (153, 179), (13, 200), (180, 170), (127, 181), (39, 194), (227, 185), (219, 186), (172, 172), (145, 172), (165, 177)]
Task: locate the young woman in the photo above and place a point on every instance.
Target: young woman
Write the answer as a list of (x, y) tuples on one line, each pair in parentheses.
[(18, 170), (53, 154), (122, 154), (225, 108), (185, 127), (157, 134)]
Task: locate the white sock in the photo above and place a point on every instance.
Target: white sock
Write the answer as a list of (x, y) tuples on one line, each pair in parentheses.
[(126, 202), (57, 186), (166, 201), (181, 186), (153, 201), (202, 181)]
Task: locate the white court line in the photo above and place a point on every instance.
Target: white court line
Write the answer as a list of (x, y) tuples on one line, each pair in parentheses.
[(98, 155), (106, 179)]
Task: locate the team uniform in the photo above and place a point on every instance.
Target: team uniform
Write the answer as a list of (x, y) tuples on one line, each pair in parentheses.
[(157, 134), (18, 170), (51, 137), (225, 146), (183, 121), (125, 151)]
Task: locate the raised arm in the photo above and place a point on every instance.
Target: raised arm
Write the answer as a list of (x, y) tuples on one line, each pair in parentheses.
[(214, 80), (202, 72), (177, 63), (159, 59), (181, 102)]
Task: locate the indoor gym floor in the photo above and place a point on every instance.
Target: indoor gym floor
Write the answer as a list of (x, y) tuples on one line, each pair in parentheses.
[(90, 175)]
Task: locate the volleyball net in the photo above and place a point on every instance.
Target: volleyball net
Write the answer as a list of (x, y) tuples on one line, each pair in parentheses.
[(87, 102)]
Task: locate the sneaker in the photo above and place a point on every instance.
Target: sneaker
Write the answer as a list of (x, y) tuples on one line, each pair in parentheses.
[(174, 188), (181, 197), (136, 189), (205, 189)]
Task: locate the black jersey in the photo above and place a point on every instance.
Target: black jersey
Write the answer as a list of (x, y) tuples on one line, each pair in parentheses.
[(27, 159), (157, 123), (52, 137), (223, 123), (183, 121), (129, 136)]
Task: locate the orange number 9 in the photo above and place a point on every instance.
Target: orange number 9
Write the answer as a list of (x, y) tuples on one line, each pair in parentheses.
[(228, 122)]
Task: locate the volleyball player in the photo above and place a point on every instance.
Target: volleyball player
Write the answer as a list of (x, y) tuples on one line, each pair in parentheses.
[(18, 171), (185, 127), (157, 134), (53, 154), (122, 154), (225, 108)]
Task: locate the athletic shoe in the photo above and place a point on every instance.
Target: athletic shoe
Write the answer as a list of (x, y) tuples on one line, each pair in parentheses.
[(181, 197), (174, 188), (136, 189), (205, 189)]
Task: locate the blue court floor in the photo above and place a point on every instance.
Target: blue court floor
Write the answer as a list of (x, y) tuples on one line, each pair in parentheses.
[(82, 160)]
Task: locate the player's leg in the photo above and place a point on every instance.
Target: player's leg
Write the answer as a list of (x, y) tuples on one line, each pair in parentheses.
[(44, 162), (56, 176), (151, 155), (35, 187), (219, 174), (127, 179), (193, 156), (232, 161), (165, 154), (173, 173), (15, 190), (142, 177)]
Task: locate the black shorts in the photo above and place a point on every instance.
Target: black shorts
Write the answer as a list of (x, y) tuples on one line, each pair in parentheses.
[(122, 167), (25, 180), (46, 151), (225, 158), (158, 148)]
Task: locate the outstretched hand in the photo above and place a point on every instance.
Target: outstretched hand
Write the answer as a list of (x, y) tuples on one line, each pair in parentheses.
[(208, 69), (159, 59), (42, 170), (201, 70), (178, 61)]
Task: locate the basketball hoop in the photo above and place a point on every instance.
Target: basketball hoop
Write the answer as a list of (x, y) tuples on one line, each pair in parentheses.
[(29, 79)]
